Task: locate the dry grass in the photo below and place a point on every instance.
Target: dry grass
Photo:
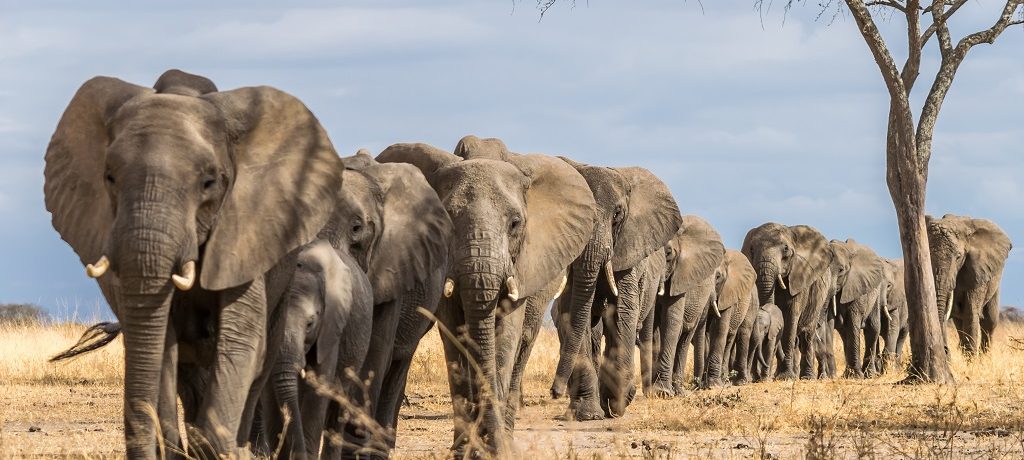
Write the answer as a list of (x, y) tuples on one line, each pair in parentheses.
[(77, 407)]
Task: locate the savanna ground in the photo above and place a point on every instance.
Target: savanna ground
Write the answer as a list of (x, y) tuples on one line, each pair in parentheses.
[(74, 409)]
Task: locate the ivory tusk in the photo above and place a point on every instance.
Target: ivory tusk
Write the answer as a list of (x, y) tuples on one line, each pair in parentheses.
[(187, 278), (513, 288), (302, 373), (561, 287), (661, 288), (449, 288), (782, 284), (714, 308), (949, 305), (835, 311), (609, 274), (885, 311), (97, 269)]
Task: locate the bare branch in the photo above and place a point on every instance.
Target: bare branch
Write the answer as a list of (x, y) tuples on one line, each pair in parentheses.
[(876, 44), (939, 20), (912, 67), (888, 3)]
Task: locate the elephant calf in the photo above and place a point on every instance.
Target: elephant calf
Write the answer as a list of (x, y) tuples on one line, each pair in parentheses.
[(322, 326), (764, 341)]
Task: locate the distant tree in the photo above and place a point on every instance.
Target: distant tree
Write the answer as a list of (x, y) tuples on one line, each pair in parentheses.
[(909, 142), (21, 313)]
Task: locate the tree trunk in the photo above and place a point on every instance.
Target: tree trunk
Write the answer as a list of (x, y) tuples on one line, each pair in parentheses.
[(907, 181)]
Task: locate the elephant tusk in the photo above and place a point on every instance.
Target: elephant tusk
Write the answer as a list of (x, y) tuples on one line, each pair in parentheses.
[(513, 288), (302, 373), (782, 284), (714, 308), (187, 278), (835, 311), (949, 305), (609, 274), (561, 287), (661, 288), (449, 288), (885, 311), (97, 269)]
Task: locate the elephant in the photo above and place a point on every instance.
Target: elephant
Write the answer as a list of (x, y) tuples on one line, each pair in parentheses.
[(519, 221), (181, 200), (895, 328), (968, 256), (824, 340), (765, 340), (323, 325), (860, 283), (792, 265), (636, 215), (734, 296), (397, 230)]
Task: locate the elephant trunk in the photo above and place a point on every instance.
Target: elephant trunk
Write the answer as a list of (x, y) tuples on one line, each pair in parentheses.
[(286, 392), (585, 272), (767, 274)]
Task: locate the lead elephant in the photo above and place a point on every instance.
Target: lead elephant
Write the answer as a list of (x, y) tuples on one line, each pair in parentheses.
[(180, 200), (792, 266), (518, 222), (323, 326), (968, 256), (859, 303), (636, 216)]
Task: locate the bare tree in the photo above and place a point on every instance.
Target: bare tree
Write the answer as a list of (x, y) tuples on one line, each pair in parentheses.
[(909, 143)]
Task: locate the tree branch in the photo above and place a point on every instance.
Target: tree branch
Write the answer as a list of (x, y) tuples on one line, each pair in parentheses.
[(912, 67), (951, 60), (876, 44), (939, 20), (889, 3)]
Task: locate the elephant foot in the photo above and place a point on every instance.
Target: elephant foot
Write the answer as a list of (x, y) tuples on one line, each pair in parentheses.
[(740, 380), (714, 383), (853, 374), (586, 410), (662, 391), (786, 375)]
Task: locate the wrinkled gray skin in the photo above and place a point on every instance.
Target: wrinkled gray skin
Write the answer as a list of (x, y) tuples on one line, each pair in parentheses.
[(968, 256), (860, 282), (735, 295), (519, 221), (800, 257), (322, 326), (396, 228), (824, 342), (765, 339), (156, 180), (693, 256), (652, 285), (636, 216), (894, 324)]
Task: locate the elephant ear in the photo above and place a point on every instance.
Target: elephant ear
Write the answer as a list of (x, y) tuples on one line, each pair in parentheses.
[(175, 81), (360, 161), (475, 148), (739, 281), (652, 218), (866, 272), (560, 217), (987, 249), (74, 189), (423, 156), (700, 252), (338, 282), (286, 178), (811, 257), (416, 231)]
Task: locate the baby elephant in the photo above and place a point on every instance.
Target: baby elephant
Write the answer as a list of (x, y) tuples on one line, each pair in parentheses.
[(764, 341), (323, 326)]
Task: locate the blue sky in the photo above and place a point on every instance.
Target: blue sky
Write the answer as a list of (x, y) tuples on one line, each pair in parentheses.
[(748, 120)]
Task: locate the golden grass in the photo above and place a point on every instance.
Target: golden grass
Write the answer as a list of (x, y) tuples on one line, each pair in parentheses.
[(982, 416)]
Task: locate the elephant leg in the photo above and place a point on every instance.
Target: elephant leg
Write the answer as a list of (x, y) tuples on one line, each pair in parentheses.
[(616, 373), (458, 380), (167, 402), (646, 343), (741, 363), (900, 342), (679, 369), (872, 331), (252, 435), (531, 328), (891, 330), (699, 341), (509, 332), (241, 342), (669, 316), (719, 335), (806, 347), (787, 367), (584, 381), (768, 353), (974, 303), (850, 333), (989, 319), (314, 412)]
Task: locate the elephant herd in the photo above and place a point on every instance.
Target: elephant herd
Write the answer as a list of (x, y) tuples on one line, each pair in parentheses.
[(279, 291)]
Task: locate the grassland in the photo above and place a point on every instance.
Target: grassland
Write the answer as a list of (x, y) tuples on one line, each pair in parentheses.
[(73, 409)]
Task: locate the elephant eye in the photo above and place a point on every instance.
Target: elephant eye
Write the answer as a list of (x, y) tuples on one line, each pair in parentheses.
[(618, 214), (357, 225), (208, 183), (514, 223), (110, 178)]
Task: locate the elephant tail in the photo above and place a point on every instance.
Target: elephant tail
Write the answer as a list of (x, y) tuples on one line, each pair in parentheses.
[(94, 338)]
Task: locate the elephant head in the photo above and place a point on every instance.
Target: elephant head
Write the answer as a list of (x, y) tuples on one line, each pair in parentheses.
[(636, 215), (517, 225), (895, 293), (787, 257), (858, 270), (692, 255), (734, 282), (322, 294), (158, 191), (964, 250), (392, 223)]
